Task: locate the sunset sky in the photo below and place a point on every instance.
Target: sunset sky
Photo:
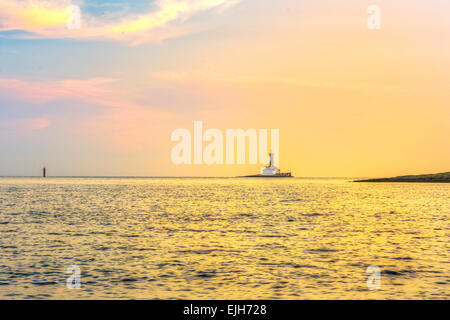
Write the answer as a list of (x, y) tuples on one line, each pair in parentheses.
[(104, 99)]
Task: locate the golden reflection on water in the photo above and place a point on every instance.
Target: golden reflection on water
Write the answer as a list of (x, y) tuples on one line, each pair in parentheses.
[(222, 238)]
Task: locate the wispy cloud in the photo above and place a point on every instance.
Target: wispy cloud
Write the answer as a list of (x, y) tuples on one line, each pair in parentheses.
[(25, 125), (103, 92), (208, 78), (127, 117), (38, 92), (44, 19)]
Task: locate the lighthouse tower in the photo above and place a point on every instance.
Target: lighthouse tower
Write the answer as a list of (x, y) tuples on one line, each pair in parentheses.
[(270, 170)]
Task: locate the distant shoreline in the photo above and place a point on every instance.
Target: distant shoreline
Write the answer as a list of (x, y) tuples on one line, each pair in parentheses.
[(438, 177)]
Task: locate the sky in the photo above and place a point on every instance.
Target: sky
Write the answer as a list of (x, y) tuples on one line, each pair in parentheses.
[(103, 97)]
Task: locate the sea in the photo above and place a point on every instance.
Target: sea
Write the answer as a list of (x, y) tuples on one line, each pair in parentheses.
[(223, 238)]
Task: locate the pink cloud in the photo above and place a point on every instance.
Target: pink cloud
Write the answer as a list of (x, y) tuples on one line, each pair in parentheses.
[(26, 125), (99, 91), (38, 92), (128, 120)]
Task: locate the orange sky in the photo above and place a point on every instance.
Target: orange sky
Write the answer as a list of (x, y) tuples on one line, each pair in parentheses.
[(348, 101)]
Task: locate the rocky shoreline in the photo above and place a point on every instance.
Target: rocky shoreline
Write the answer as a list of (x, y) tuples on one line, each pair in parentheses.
[(438, 177)]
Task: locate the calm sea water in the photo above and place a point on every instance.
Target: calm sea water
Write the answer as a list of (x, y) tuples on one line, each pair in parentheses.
[(222, 238)]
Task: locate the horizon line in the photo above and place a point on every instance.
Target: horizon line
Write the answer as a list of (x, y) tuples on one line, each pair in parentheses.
[(192, 177)]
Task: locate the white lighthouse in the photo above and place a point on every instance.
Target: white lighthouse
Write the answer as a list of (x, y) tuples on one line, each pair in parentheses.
[(270, 170)]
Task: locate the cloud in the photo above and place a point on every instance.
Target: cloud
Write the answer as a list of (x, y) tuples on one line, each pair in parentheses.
[(199, 76), (207, 78), (31, 15), (26, 125), (127, 118), (38, 92), (95, 91), (49, 20)]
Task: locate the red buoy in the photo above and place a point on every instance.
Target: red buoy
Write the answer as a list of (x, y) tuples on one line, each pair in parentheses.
[(44, 172)]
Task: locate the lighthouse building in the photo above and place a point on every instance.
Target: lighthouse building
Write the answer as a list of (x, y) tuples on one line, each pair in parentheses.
[(270, 170)]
